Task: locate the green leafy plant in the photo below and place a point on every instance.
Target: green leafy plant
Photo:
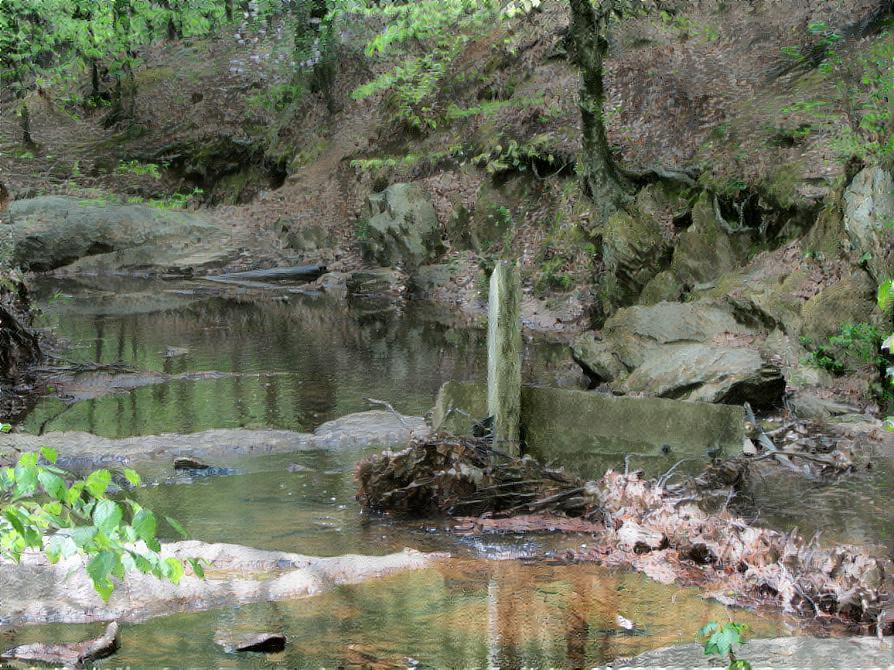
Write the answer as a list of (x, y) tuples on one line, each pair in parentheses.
[(43, 508), (859, 115), (178, 200), (722, 639), (139, 169), (516, 156), (885, 303), (855, 345)]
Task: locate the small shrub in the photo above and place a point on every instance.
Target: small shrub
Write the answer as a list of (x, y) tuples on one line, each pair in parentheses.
[(721, 640), (856, 345)]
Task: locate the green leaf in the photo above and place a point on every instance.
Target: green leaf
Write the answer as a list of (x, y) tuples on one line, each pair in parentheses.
[(132, 476), (144, 525), (886, 295), (99, 568), (54, 485), (107, 516), (174, 570), (197, 568), (50, 455), (97, 482)]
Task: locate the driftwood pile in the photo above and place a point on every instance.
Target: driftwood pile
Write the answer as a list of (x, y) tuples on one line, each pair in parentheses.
[(660, 530)]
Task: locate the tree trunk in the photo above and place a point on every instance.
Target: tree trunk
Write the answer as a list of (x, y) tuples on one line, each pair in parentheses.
[(25, 124), (601, 178), (94, 80)]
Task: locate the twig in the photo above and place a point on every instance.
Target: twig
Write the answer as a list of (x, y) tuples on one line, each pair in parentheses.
[(386, 405)]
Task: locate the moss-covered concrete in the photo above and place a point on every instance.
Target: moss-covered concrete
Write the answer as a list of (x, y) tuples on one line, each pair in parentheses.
[(590, 432)]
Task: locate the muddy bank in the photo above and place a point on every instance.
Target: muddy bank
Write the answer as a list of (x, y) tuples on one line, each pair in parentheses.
[(37, 592), (83, 451)]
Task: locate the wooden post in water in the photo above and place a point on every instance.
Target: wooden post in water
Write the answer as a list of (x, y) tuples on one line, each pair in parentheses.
[(504, 348)]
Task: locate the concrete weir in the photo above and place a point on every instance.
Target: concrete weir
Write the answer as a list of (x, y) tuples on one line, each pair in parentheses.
[(590, 431)]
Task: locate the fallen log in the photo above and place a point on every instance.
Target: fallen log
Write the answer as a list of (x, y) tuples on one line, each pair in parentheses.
[(305, 272), (659, 530), (72, 654)]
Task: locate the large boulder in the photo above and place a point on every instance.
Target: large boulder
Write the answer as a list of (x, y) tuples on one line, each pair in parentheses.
[(51, 232), (709, 374), (633, 332), (401, 228), (869, 220), (633, 252), (691, 351)]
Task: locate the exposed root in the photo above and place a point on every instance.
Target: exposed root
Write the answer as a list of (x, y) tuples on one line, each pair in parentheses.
[(654, 528)]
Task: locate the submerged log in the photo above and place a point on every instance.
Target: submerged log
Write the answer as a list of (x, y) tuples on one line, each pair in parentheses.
[(73, 654), (644, 524), (308, 272)]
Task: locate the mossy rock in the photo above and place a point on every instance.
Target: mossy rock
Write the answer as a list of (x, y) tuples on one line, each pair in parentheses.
[(869, 220), (827, 237), (705, 251), (401, 229), (491, 221), (851, 300), (663, 287), (633, 252)]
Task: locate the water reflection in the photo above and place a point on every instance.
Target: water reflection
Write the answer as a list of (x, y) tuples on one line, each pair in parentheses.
[(460, 614), (295, 364)]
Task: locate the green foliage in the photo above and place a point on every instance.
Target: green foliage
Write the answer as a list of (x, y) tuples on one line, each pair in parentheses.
[(553, 271), (855, 345), (886, 303), (439, 30), (721, 640), (178, 200), (139, 169), (859, 116), (516, 156), (44, 508), (408, 160)]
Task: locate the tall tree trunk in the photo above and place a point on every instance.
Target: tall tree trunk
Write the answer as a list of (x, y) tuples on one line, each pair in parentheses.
[(601, 177), (94, 80)]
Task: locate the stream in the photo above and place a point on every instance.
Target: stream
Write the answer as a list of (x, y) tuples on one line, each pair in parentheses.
[(294, 361)]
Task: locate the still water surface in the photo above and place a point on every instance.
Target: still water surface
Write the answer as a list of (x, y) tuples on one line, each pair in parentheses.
[(297, 363)]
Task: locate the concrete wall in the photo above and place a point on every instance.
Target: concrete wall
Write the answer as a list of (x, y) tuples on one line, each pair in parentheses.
[(590, 432)]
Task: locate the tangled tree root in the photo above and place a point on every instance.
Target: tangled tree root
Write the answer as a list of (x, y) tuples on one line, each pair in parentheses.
[(644, 524)]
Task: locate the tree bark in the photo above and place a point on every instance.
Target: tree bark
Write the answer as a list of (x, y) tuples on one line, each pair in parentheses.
[(601, 178)]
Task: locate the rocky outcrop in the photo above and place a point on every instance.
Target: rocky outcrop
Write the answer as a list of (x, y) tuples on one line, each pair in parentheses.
[(869, 220), (85, 451), (36, 591), (402, 228), (633, 252), (689, 351), (51, 232), (707, 249), (377, 283)]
